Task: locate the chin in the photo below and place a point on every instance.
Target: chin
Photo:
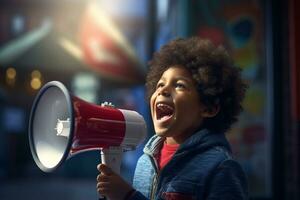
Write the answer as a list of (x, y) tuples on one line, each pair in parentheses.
[(160, 135), (162, 132)]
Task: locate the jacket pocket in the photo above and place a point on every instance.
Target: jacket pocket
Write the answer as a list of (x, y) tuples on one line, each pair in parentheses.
[(179, 190), (177, 196)]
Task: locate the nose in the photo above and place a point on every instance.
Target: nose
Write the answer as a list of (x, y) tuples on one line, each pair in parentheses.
[(164, 91)]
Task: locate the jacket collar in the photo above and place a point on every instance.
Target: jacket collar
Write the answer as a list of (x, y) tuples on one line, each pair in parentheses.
[(201, 140)]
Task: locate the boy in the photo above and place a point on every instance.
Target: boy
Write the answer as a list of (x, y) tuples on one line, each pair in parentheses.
[(195, 96)]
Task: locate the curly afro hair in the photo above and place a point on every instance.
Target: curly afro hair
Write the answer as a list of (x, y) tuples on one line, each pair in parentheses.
[(218, 81)]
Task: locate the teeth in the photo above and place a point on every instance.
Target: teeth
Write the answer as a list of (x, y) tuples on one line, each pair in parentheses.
[(160, 105)]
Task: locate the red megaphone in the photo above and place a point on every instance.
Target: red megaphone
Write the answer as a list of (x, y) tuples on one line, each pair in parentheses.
[(62, 125)]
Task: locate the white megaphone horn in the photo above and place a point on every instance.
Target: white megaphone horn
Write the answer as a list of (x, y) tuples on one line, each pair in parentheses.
[(62, 125)]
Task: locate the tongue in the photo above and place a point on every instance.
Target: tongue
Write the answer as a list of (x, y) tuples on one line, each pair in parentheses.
[(166, 117)]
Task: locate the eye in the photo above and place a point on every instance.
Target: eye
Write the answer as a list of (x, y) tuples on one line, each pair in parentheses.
[(159, 85), (180, 85)]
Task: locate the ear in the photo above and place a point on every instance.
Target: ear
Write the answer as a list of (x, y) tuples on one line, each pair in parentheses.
[(211, 111)]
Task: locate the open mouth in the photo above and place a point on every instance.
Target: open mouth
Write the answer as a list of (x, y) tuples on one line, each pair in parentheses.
[(164, 111)]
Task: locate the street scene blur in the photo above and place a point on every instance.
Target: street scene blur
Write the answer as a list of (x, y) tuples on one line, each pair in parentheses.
[(99, 50)]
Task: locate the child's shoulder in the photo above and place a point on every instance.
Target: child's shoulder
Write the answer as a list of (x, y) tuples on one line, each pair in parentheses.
[(212, 156)]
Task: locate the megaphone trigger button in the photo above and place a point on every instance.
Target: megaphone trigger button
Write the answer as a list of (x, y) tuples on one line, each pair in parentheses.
[(107, 104)]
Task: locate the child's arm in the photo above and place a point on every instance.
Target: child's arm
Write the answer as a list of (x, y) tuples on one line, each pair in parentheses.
[(229, 182), (114, 187)]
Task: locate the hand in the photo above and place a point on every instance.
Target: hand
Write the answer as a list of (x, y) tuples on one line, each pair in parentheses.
[(110, 184)]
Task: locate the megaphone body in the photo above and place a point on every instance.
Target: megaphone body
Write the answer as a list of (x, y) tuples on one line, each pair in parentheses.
[(62, 125)]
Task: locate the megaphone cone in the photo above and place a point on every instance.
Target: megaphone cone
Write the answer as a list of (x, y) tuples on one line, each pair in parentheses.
[(62, 125)]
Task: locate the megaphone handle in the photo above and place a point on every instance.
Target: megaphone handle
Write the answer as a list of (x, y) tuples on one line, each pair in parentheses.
[(112, 157)]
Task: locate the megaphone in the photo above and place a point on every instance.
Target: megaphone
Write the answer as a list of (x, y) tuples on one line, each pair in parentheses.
[(62, 125)]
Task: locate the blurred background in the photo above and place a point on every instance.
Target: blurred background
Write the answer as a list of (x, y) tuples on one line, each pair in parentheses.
[(99, 49)]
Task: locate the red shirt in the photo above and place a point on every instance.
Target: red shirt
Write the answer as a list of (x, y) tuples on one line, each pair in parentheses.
[(166, 153)]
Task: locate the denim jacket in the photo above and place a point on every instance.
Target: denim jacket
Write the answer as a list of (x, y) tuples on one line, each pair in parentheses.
[(202, 168)]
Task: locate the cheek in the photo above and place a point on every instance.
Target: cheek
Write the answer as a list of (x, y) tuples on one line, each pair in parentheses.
[(152, 100), (189, 106)]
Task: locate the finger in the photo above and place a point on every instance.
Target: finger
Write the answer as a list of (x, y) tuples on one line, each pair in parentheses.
[(102, 191), (103, 185), (102, 178), (105, 169), (103, 188), (98, 167)]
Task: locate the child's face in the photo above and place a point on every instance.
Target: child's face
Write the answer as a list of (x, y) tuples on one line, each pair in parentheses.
[(175, 105)]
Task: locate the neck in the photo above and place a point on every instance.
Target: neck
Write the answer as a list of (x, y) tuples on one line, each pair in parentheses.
[(171, 140), (180, 138)]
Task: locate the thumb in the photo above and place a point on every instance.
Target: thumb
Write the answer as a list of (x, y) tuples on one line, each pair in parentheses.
[(105, 169)]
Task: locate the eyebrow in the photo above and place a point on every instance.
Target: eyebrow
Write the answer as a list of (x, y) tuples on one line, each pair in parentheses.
[(178, 78), (183, 78)]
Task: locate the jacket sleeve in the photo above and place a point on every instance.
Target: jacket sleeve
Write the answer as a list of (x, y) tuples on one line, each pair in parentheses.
[(228, 182)]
